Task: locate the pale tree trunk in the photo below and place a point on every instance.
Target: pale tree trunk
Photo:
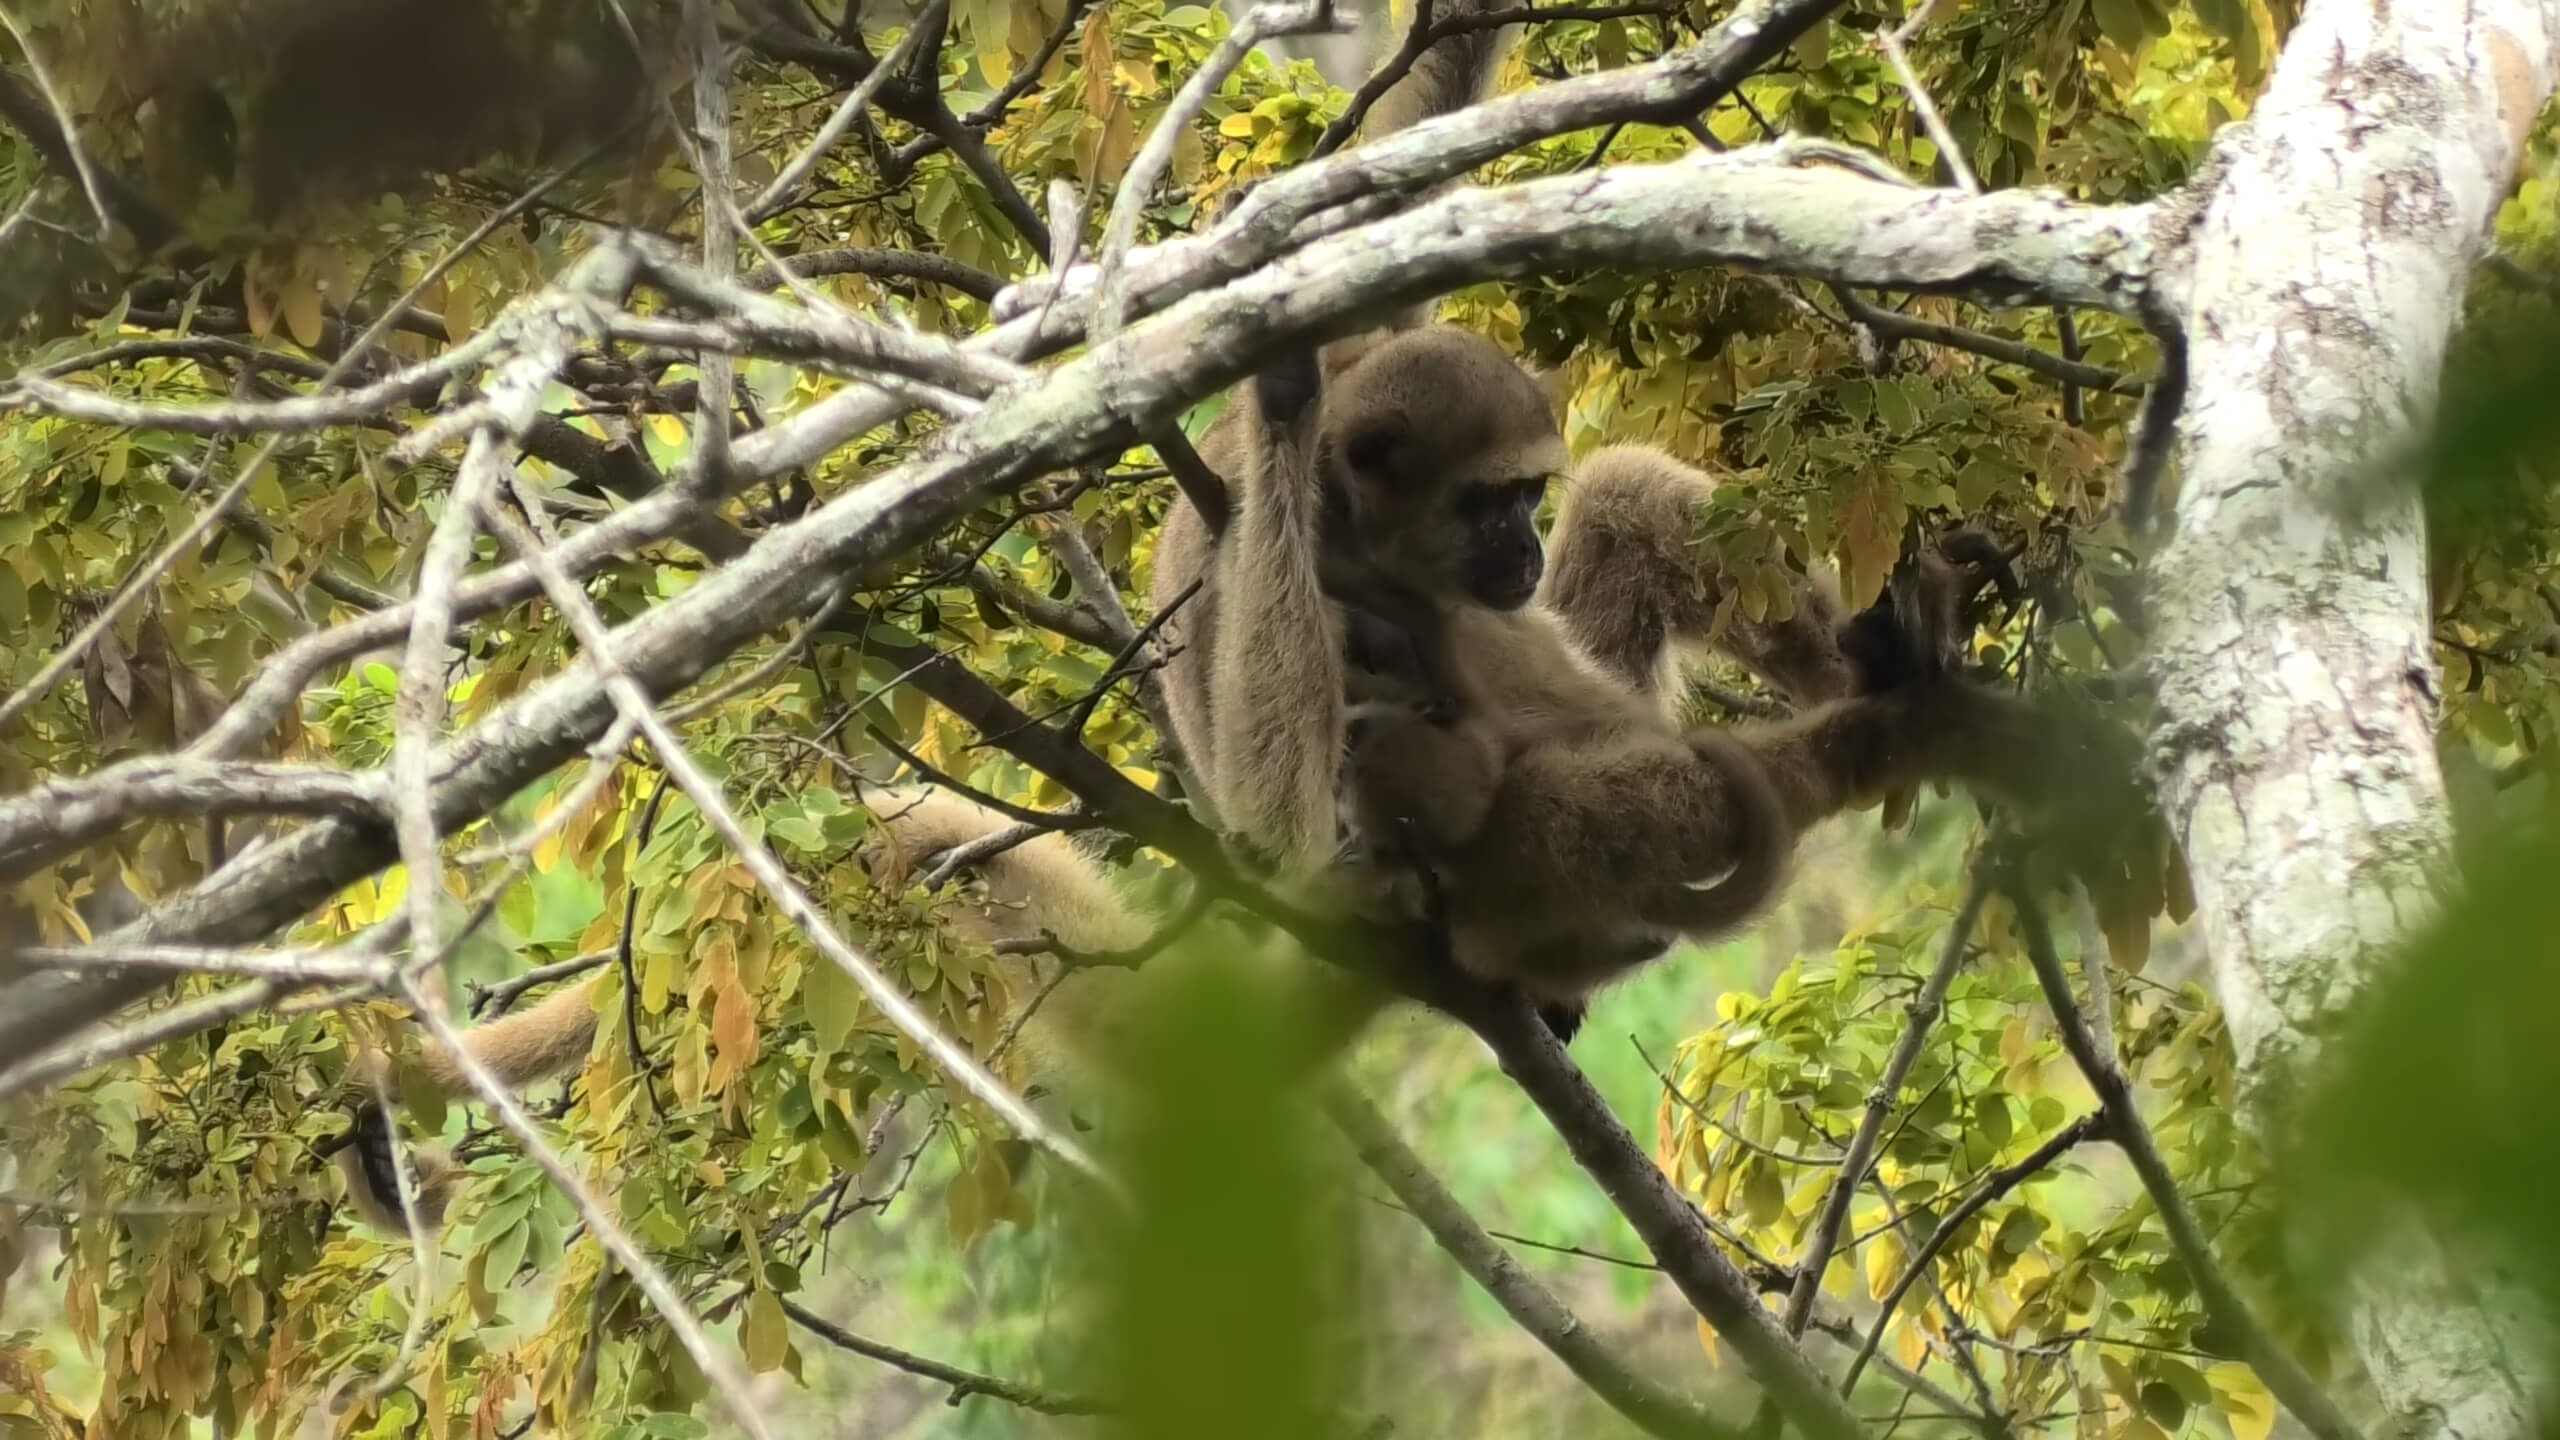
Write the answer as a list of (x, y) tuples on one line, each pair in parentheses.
[(2298, 697)]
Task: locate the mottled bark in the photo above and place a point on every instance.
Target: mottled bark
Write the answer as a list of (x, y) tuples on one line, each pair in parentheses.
[(2326, 262)]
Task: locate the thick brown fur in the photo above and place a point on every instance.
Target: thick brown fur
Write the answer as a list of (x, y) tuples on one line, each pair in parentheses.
[(1437, 445), (1265, 628), (1607, 833)]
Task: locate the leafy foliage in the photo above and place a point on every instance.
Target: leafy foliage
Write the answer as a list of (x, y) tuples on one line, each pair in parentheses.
[(742, 1101)]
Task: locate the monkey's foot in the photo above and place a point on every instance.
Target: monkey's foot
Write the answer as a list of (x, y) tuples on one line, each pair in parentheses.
[(1562, 1020)]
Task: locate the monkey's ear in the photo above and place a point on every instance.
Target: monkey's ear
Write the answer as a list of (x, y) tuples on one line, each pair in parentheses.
[(1555, 385)]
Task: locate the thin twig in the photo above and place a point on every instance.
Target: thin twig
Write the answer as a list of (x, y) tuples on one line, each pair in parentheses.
[(786, 185), (2000, 1182), (298, 967), (717, 392), (713, 805), (1262, 22), (1891, 43), (140, 581), (1922, 1010), (513, 397), (490, 1001), (88, 174)]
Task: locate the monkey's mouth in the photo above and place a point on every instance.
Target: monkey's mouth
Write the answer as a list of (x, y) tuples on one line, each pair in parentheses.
[(1508, 593)]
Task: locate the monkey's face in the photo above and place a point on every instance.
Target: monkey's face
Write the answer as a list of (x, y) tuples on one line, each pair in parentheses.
[(1444, 446), (1501, 558)]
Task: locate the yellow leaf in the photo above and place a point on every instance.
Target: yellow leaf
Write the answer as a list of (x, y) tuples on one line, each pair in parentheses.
[(764, 1332), (259, 300), (1190, 158), (1755, 601), (1093, 51), (2245, 1404), (668, 429), (1884, 1265), (302, 312), (461, 313), (1813, 47), (2129, 941), (1238, 126), (1115, 143)]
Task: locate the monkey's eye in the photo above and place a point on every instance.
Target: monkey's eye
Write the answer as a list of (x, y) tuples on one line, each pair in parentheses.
[(1371, 447)]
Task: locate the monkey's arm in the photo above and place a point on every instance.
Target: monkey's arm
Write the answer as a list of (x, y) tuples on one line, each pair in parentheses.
[(524, 1045), (519, 1048), (1276, 680), (1850, 752), (1627, 578)]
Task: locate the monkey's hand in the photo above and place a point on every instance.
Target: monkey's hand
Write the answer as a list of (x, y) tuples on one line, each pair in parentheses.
[(1413, 778), (1922, 627)]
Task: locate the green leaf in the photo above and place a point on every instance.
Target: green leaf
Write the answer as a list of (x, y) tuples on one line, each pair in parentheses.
[(832, 1003), (506, 1255), (764, 1332)]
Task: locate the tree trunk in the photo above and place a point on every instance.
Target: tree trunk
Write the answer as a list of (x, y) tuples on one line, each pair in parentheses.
[(2327, 263)]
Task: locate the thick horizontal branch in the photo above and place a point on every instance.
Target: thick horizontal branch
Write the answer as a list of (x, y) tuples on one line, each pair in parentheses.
[(875, 264), (62, 815), (323, 411)]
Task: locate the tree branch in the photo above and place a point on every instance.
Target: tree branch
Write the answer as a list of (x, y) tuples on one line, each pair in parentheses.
[(1670, 1227), (1530, 1305), (963, 1383)]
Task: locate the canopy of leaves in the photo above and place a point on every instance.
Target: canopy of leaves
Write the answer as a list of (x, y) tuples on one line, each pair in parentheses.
[(283, 172)]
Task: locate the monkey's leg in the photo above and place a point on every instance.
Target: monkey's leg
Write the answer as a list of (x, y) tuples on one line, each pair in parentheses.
[(1584, 841)]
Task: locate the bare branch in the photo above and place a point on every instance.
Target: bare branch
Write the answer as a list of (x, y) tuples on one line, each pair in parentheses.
[(1530, 1305), (1263, 21), (713, 804), (1949, 152), (498, 999), (963, 1383), (89, 181), (546, 332), (717, 172), (59, 816), (321, 410), (139, 583), (1670, 1227), (294, 967), (2000, 1182), (1922, 1009), (880, 264), (787, 185)]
